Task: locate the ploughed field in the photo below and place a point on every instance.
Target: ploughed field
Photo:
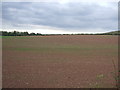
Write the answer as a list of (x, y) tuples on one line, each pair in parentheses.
[(68, 61)]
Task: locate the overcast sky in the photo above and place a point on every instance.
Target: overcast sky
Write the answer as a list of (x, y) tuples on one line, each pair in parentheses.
[(59, 17)]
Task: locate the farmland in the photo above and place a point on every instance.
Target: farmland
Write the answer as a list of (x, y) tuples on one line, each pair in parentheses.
[(63, 61)]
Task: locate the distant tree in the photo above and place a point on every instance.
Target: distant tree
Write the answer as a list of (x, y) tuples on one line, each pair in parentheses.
[(32, 34), (38, 34), (25, 33), (4, 33), (14, 33), (9, 33)]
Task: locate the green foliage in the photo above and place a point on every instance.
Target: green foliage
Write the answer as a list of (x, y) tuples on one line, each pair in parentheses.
[(112, 33), (16, 33)]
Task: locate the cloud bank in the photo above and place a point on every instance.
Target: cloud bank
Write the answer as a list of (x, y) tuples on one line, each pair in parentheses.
[(67, 17)]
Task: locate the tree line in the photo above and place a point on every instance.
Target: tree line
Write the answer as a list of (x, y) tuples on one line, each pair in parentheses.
[(16, 33)]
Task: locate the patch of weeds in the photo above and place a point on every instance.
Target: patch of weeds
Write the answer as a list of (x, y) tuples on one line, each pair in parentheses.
[(115, 74), (95, 85), (100, 76), (98, 83), (116, 78)]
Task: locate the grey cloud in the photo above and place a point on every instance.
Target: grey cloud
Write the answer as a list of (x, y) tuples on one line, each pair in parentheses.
[(68, 16)]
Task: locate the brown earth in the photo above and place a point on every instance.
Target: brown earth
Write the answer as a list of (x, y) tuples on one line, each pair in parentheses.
[(76, 61)]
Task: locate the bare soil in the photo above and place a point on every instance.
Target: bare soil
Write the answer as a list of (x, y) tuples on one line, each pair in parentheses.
[(75, 61)]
